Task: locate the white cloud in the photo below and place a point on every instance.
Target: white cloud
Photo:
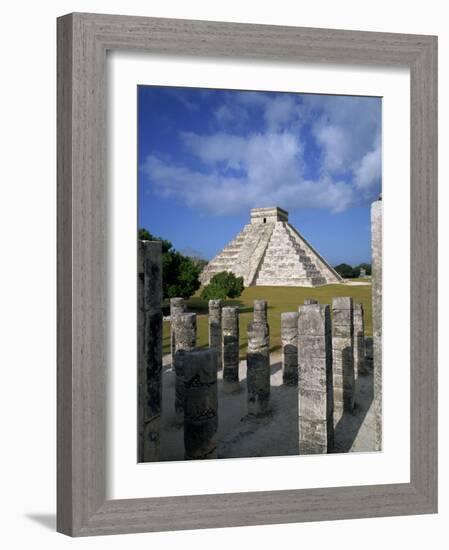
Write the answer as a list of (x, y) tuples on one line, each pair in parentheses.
[(272, 166), (223, 113), (250, 99), (181, 95), (218, 148), (369, 171), (267, 167), (231, 113), (336, 149), (280, 111), (346, 128)]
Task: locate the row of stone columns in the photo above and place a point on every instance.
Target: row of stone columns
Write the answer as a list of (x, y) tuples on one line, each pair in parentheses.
[(196, 397), (323, 359), (328, 360), (195, 371), (224, 332), (224, 339)]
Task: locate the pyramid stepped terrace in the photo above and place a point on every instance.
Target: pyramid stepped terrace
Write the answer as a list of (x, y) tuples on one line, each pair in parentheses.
[(271, 252)]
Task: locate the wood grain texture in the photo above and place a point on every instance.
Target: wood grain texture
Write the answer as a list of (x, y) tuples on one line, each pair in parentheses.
[(64, 278), (83, 40)]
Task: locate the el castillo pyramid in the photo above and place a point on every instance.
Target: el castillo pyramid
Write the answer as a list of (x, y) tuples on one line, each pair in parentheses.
[(271, 252)]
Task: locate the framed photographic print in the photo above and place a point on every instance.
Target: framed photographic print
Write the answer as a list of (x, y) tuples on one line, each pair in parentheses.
[(246, 274)]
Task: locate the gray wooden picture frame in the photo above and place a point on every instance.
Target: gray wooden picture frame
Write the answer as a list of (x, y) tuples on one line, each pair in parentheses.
[(83, 40)]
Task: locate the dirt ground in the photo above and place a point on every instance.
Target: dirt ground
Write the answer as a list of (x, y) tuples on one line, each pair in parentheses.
[(274, 435)]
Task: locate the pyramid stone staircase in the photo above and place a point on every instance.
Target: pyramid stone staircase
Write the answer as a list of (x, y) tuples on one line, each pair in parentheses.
[(269, 251), (285, 263)]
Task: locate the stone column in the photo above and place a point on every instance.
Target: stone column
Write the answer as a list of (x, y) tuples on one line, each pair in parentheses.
[(376, 277), (230, 322), (258, 361), (215, 337), (149, 345), (315, 392), (201, 404), (359, 340), (343, 356), (185, 341), (258, 369), (177, 307), (260, 311), (369, 354), (310, 301), (289, 336)]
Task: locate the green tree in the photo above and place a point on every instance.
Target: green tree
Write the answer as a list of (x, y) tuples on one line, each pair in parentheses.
[(200, 262), (145, 235), (366, 267), (345, 270), (223, 285), (180, 274)]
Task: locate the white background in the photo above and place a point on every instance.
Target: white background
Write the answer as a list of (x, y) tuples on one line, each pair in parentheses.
[(27, 301)]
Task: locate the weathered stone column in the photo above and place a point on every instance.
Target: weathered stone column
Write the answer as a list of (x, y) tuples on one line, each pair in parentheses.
[(258, 361), (343, 356), (215, 336), (149, 345), (177, 307), (376, 277), (289, 336), (359, 340), (258, 369), (310, 301), (369, 354), (185, 341), (230, 322), (201, 404), (260, 311), (315, 392)]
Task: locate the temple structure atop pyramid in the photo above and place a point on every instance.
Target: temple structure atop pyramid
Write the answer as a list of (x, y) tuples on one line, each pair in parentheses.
[(271, 252)]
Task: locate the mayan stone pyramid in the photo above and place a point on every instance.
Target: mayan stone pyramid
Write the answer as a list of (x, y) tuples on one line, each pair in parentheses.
[(270, 252)]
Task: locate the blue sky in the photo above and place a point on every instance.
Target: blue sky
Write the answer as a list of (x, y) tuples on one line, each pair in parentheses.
[(206, 157)]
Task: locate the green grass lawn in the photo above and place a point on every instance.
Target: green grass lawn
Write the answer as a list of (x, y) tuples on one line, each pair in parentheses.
[(279, 299)]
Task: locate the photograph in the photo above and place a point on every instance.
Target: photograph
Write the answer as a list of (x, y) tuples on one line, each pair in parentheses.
[(224, 332), (259, 263)]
